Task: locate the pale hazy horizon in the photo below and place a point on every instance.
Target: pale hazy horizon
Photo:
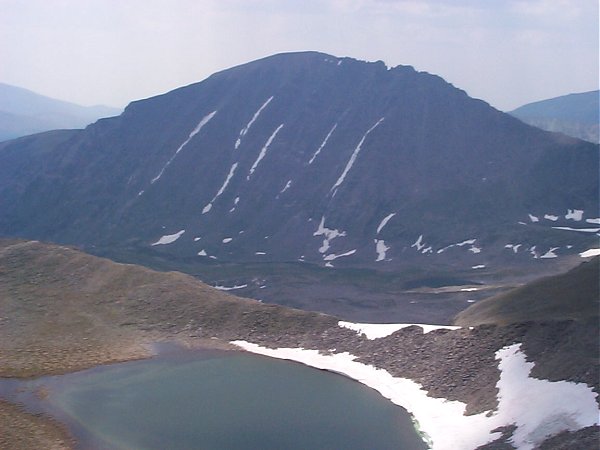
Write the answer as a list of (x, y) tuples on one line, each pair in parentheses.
[(507, 53)]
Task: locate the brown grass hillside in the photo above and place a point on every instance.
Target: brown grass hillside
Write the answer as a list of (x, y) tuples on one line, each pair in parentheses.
[(572, 295), (64, 310)]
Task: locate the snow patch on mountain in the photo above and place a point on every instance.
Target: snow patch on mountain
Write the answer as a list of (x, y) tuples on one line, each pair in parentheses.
[(550, 253), (574, 214), (419, 243), (533, 218), (333, 257), (235, 203), (194, 132), (350, 162), (384, 222), (513, 247), (208, 207), (551, 217), (380, 249), (322, 144), (328, 235), (245, 130), (581, 230), (421, 246), (590, 252), (286, 187), (263, 152), (230, 288), (459, 244), (169, 238), (595, 220)]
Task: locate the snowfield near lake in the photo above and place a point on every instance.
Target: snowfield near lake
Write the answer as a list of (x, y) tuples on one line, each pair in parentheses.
[(590, 252), (538, 408)]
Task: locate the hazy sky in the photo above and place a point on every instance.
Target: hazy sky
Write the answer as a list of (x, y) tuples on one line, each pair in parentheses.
[(507, 52)]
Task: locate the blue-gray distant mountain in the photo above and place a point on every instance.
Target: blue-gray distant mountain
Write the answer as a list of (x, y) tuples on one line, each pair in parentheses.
[(576, 115), (24, 112), (308, 157)]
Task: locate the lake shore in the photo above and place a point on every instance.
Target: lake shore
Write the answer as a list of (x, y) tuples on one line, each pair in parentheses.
[(21, 429)]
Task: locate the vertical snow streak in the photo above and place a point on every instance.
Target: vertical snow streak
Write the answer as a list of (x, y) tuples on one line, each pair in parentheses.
[(384, 222), (322, 144), (208, 207), (340, 180), (263, 152), (244, 130), (286, 187), (194, 132)]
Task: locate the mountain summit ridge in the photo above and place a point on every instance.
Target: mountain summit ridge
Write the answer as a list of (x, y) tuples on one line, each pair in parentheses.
[(303, 156)]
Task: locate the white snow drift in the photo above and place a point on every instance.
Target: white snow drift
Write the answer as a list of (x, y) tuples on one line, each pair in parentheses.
[(538, 408), (169, 238)]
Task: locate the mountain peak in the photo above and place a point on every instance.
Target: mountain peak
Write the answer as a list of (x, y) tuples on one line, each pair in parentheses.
[(301, 157)]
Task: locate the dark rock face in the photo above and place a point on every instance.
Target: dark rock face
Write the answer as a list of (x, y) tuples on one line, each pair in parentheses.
[(307, 157)]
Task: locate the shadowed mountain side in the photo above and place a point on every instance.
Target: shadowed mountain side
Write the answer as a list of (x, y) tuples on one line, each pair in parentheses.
[(573, 295), (307, 157)]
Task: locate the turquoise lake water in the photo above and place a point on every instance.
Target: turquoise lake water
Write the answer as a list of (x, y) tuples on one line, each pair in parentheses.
[(224, 400)]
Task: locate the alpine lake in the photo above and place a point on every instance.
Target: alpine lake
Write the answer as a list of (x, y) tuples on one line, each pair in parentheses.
[(214, 399)]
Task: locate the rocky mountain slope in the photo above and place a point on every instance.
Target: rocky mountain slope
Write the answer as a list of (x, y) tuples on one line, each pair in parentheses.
[(24, 112), (63, 310), (576, 115), (308, 158)]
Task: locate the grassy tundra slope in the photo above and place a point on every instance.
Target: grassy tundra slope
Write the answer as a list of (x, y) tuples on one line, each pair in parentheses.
[(573, 295)]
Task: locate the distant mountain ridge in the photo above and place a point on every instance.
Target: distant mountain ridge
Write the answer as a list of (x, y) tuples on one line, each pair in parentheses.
[(24, 112), (576, 115), (307, 157)]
